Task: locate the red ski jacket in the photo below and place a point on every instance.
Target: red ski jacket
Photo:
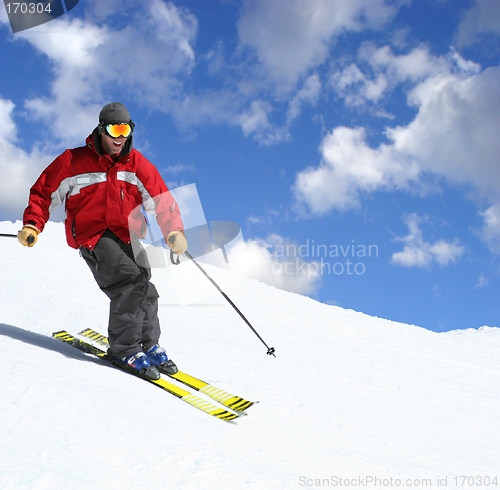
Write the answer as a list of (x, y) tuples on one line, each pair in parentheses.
[(102, 194)]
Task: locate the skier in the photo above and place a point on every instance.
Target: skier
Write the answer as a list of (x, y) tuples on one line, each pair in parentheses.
[(105, 183)]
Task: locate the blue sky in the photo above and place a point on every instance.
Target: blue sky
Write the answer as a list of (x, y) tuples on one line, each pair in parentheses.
[(319, 126)]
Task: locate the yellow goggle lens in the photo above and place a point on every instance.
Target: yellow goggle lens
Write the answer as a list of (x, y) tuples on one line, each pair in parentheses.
[(117, 130)]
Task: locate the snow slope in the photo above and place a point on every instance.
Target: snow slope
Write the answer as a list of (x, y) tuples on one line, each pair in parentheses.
[(351, 397)]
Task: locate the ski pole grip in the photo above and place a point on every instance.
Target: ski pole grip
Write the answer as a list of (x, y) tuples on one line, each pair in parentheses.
[(172, 258), (30, 239)]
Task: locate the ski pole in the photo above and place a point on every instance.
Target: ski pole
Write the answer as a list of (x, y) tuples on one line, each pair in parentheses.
[(270, 350), (30, 239)]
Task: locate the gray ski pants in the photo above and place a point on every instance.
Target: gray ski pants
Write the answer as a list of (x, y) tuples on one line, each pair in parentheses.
[(133, 313)]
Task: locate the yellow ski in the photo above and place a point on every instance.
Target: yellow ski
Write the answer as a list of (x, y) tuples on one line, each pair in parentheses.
[(233, 402), (184, 395)]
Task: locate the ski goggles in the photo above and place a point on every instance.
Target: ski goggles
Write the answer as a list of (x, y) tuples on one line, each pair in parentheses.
[(117, 130)]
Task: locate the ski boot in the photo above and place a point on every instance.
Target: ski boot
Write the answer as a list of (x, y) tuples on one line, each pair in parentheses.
[(140, 363), (158, 357)]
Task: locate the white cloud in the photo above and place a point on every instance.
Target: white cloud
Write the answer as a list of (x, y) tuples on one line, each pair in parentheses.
[(145, 52), (419, 253), (384, 70), (463, 64), (482, 281), (292, 36), (453, 135), (100, 10), (255, 121), (174, 26), (413, 66), (490, 232), (175, 169), (215, 59), (309, 93), (482, 18), (69, 43), (8, 130), (356, 88), (350, 168), (71, 48), (146, 61), (18, 169), (255, 259)]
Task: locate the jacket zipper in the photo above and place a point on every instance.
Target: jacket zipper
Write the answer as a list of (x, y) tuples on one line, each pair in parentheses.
[(73, 231)]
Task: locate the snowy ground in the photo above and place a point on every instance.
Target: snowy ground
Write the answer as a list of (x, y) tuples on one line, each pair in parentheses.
[(350, 400)]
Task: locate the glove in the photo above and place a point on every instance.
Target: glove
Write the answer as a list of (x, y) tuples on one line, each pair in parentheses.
[(28, 235), (176, 240)]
